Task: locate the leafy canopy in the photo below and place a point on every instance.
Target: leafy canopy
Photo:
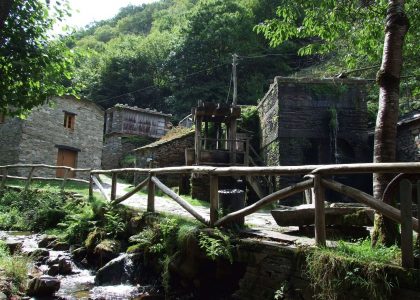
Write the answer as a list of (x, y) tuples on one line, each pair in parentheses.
[(33, 67)]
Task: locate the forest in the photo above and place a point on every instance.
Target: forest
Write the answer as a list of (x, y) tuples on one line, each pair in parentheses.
[(169, 54)]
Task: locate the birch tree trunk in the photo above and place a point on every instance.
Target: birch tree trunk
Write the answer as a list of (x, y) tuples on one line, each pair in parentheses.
[(388, 78)]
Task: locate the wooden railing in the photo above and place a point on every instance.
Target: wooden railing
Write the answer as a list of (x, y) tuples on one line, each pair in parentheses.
[(4, 170), (314, 179)]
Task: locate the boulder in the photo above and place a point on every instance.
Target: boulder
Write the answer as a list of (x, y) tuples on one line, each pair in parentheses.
[(59, 246), (39, 255), (117, 271), (65, 267), (53, 270), (106, 251), (79, 254), (43, 286), (46, 240), (14, 246)]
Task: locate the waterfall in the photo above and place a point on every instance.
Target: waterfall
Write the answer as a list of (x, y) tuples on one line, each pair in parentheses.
[(334, 127)]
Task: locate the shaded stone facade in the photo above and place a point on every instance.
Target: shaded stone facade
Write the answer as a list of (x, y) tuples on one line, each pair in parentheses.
[(39, 138), (307, 121), (408, 138)]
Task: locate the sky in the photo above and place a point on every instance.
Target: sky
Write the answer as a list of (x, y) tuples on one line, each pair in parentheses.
[(87, 11)]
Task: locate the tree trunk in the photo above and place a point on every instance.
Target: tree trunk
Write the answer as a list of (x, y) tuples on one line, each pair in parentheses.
[(5, 6), (388, 78)]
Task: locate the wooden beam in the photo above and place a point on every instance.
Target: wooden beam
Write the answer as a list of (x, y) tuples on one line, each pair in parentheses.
[(3, 179), (184, 204), (100, 187), (66, 175), (150, 194), (28, 180), (383, 208), (132, 192), (90, 186), (281, 194), (114, 186), (319, 200), (368, 168), (406, 201), (214, 199)]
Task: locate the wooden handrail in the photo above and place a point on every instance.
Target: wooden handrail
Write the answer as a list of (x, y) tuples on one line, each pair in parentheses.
[(132, 192)]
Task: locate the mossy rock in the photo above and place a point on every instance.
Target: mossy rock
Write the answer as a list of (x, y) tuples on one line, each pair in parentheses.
[(94, 238)]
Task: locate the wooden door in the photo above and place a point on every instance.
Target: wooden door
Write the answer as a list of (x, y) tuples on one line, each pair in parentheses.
[(66, 158)]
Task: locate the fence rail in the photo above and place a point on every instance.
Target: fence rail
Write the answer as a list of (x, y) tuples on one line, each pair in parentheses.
[(316, 179), (314, 182)]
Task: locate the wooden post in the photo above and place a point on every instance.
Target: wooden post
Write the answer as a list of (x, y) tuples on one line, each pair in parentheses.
[(151, 194), (3, 180), (214, 199), (246, 158), (28, 181), (66, 174), (232, 143), (206, 134), (319, 193), (308, 196), (406, 201), (114, 186), (418, 211), (90, 186), (197, 140)]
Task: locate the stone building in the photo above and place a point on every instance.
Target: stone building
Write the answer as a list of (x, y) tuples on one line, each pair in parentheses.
[(66, 132), (127, 128), (408, 137), (314, 121)]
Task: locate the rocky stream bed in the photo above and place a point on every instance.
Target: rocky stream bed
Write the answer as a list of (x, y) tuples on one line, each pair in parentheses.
[(60, 271)]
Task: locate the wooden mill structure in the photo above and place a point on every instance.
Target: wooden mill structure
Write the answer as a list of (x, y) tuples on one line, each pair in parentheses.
[(216, 139)]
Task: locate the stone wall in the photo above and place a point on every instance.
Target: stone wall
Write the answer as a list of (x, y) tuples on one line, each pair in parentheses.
[(408, 142), (43, 133), (307, 121), (10, 136)]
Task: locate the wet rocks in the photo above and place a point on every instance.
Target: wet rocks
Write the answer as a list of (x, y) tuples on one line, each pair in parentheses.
[(14, 246), (43, 286), (46, 240), (104, 252), (117, 271), (39, 255)]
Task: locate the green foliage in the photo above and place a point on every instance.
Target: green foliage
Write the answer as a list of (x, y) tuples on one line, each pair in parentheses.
[(216, 245), (33, 67), (31, 210), (352, 267), (14, 268)]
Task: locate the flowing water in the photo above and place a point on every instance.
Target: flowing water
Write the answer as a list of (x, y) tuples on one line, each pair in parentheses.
[(79, 284)]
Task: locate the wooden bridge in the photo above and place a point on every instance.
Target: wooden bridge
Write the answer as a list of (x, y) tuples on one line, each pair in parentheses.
[(314, 180)]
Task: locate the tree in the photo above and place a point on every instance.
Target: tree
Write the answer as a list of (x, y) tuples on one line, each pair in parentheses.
[(356, 26), (33, 67)]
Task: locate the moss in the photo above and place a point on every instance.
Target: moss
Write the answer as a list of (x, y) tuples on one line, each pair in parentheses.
[(94, 238)]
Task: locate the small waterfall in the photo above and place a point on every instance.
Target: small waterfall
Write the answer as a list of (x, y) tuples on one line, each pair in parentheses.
[(334, 127)]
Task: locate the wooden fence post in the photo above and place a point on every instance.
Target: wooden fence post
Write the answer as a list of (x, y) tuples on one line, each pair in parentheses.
[(151, 194), (418, 211), (28, 181), (319, 198), (114, 186), (3, 180), (66, 174), (406, 201), (214, 199), (90, 186)]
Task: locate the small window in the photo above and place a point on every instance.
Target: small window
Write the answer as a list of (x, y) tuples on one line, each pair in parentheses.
[(69, 120), (2, 118)]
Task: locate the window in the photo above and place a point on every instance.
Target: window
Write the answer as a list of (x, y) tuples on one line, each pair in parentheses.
[(69, 120)]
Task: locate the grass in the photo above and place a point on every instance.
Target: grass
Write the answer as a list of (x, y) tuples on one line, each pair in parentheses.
[(13, 269), (352, 268), (71, 186)]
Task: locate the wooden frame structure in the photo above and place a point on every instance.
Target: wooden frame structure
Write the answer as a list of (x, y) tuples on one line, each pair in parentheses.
[(313, 180)]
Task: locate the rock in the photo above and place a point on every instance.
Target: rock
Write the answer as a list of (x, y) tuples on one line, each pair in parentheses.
[(106, 251), (65, 267), (117, 271), (79, 254), (59, 246), (46, 240), (53, 270), (3, 296), (14, 246), (39, 255), (43, 286), (93, 239)]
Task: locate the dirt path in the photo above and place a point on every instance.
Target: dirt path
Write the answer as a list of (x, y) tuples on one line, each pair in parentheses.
[(261, 224)]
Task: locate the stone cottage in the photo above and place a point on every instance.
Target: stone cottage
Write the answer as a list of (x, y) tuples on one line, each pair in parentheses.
[(408, 137), (127, 128), (314, 121), (67, 131)]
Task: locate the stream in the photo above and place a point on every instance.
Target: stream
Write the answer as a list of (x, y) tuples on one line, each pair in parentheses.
[(79, 283)]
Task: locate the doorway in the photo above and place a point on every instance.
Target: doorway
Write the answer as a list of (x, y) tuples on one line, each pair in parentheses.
[(67, 158)]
